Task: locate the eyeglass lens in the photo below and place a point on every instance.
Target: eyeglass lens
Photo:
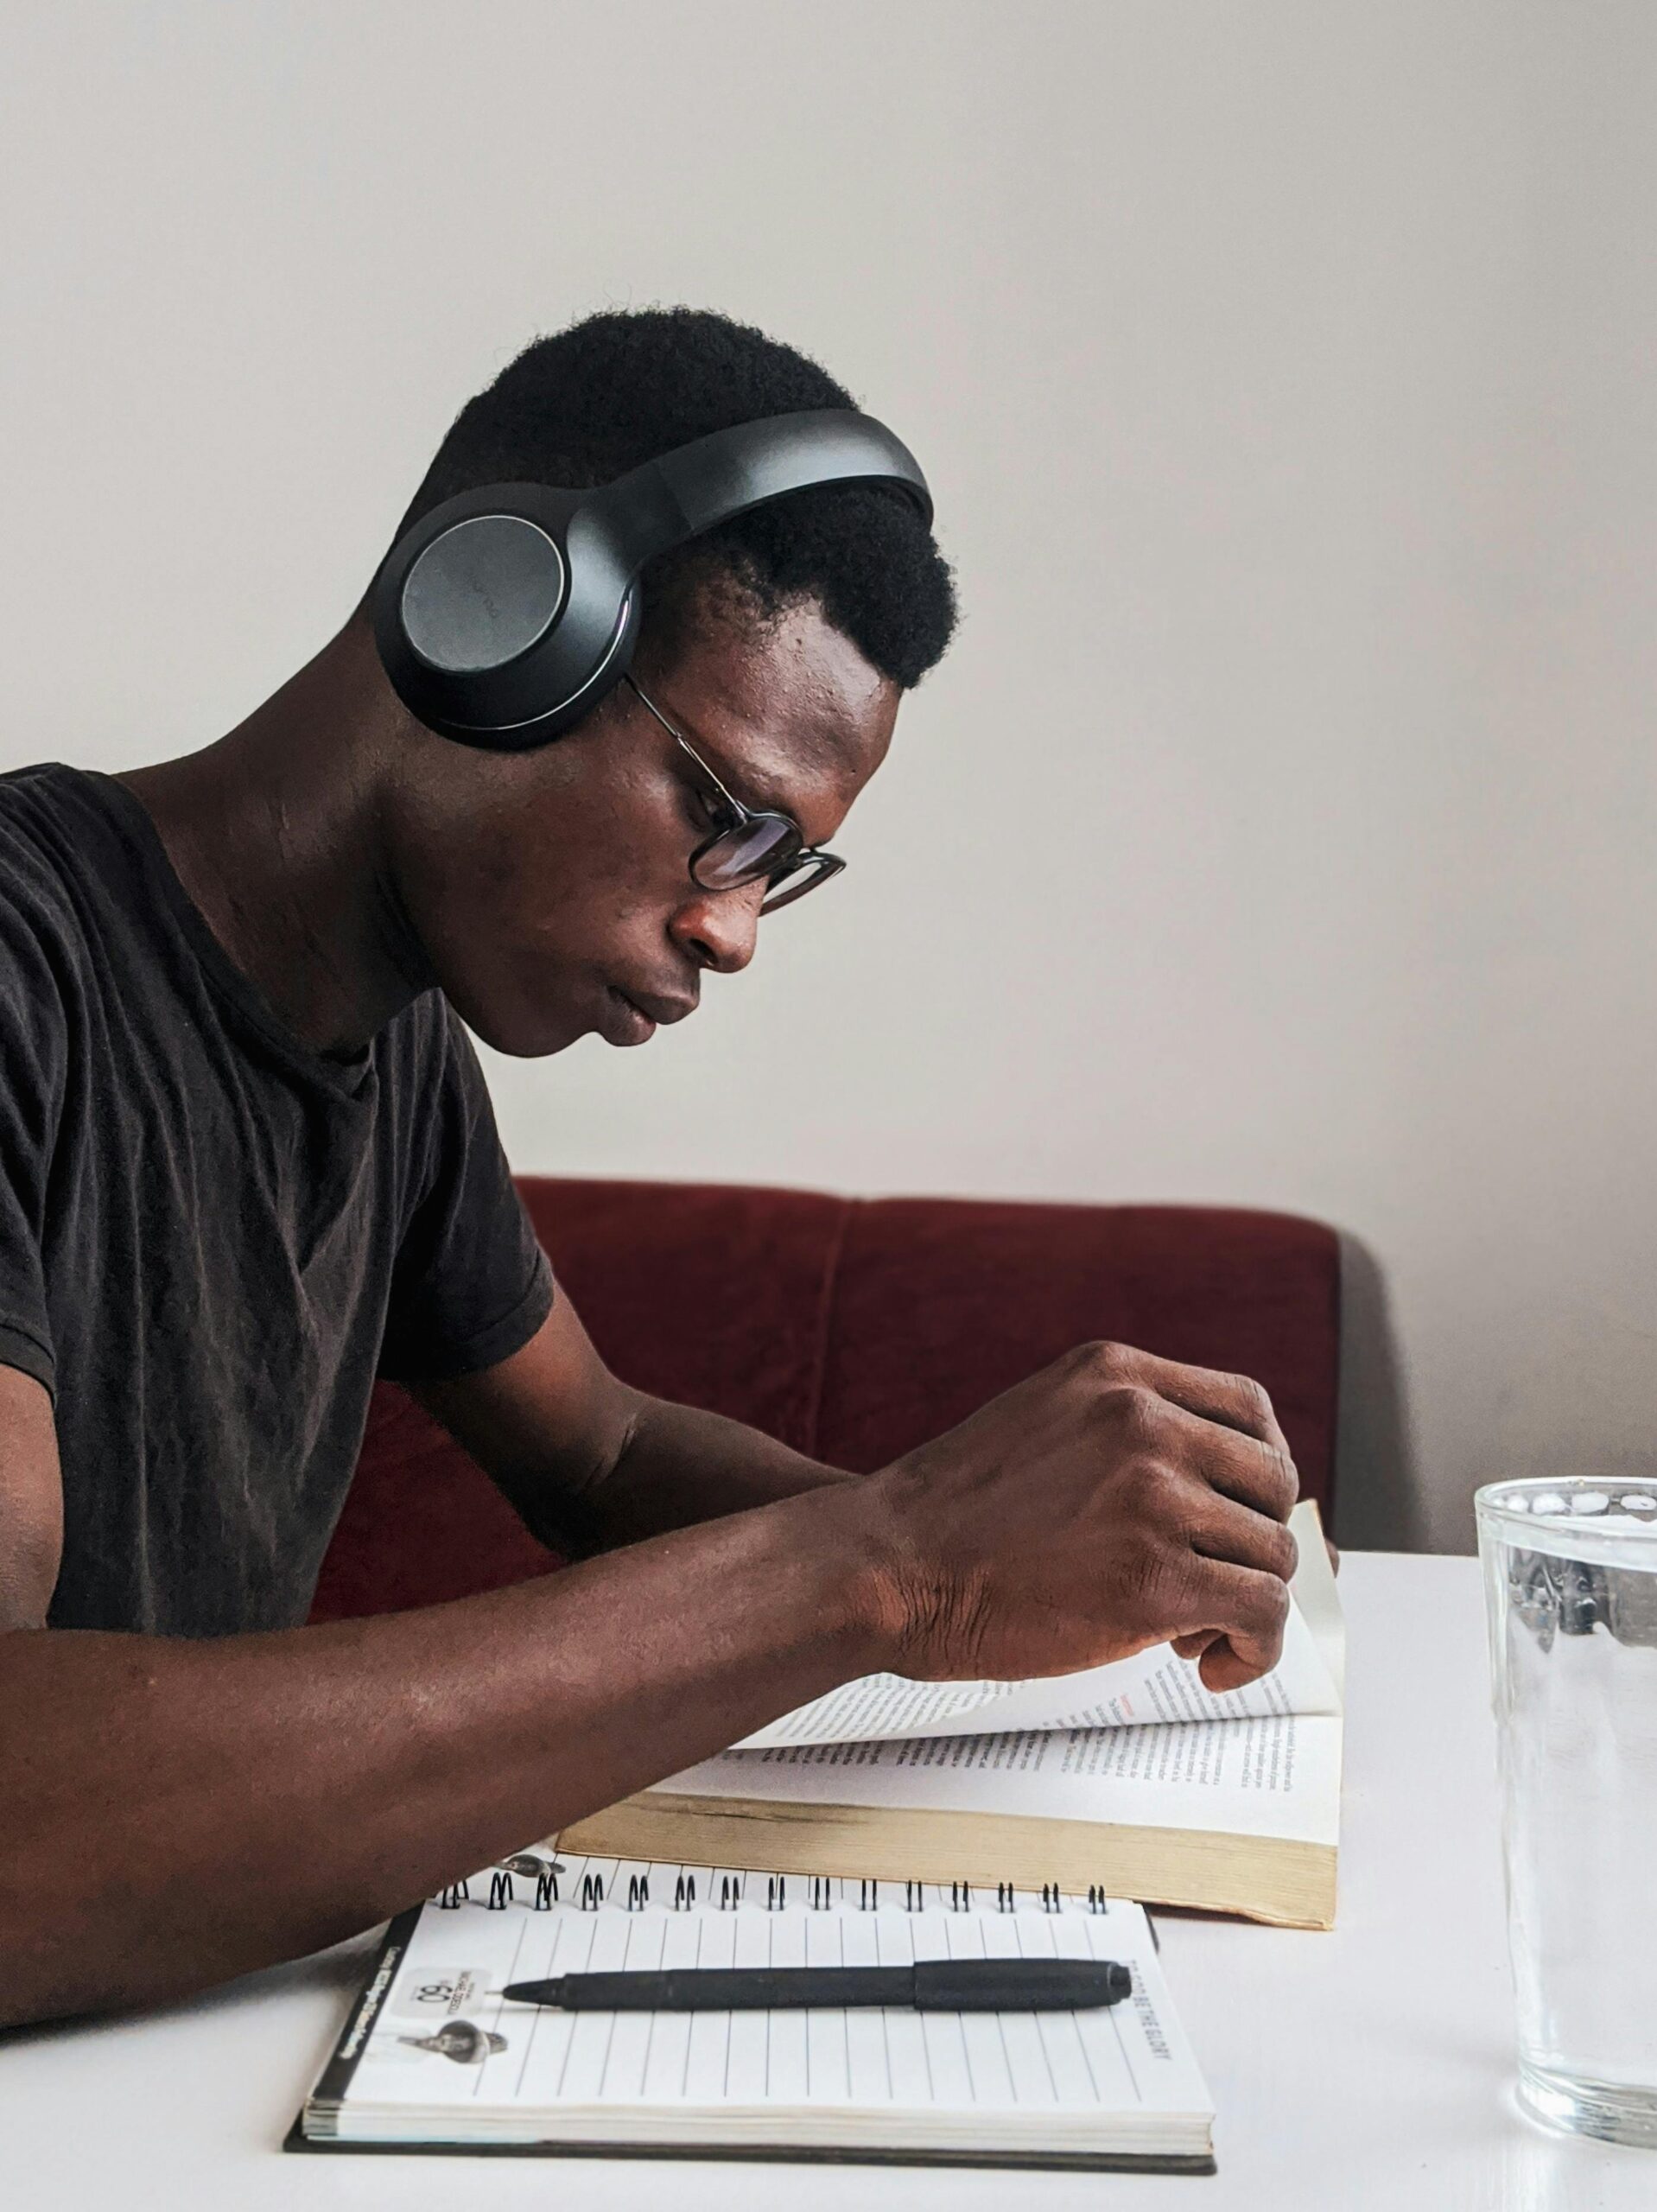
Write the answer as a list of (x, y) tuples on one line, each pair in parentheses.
[(793, 881), (749, 850)]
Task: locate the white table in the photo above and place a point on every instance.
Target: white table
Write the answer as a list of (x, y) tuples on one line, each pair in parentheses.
[(1365, 2069)]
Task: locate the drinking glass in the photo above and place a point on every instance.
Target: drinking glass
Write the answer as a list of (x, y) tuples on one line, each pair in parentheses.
[(1570, 1589)]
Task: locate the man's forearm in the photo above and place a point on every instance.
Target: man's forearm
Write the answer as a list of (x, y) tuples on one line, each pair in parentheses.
[(678, 1465), (225, 1804)]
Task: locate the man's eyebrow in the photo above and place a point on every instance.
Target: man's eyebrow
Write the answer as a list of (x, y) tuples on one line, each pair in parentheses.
[(766, 798), (751, 786)]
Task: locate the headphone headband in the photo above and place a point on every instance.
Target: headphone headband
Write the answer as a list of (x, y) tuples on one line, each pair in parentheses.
[(696, 487), (505, 614)]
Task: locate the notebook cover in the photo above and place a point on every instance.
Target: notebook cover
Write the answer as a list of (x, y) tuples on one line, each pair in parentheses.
[(716, 2153)]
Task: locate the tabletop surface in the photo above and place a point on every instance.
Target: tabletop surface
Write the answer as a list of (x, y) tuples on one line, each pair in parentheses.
[(1367, 2067)]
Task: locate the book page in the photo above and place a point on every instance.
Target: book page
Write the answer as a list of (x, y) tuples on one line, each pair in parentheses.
[(1151, 1687), (445, 2051), (1275, 1774)]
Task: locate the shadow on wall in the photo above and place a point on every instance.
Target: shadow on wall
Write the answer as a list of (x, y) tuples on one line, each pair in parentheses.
[(1378, 1493)]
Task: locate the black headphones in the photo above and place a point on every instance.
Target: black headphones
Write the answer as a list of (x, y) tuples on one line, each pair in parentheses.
[(506, 614)]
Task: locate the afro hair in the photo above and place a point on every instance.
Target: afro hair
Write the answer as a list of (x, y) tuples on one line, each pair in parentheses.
[(587, 404)]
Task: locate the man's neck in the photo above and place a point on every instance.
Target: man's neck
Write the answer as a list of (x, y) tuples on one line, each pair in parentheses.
[(274, 832)]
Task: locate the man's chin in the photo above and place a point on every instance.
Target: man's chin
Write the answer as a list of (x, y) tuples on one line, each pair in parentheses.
[(526, 1030), (621, 1023), (526, 1033)]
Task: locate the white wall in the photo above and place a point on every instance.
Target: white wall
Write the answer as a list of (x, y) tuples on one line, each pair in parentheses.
[(1281, 829)]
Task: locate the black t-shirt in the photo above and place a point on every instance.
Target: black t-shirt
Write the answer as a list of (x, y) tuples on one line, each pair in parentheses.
[(212, 1237)]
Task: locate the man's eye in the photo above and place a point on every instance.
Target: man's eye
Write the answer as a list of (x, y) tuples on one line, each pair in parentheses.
[(713, 812)]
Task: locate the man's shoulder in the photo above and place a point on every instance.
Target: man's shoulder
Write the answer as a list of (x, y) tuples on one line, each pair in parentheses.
[(72, 886), (47, 854), (43, 850)]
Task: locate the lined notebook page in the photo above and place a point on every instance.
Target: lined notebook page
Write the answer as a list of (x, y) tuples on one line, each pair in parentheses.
[(444, 2044)]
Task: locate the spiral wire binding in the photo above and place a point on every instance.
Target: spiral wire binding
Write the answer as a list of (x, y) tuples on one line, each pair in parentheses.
[(731, 1895)]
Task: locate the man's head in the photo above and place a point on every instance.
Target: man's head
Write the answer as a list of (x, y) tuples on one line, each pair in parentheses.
[(543, 884)]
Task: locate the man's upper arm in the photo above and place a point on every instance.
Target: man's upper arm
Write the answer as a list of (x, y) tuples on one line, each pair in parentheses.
[(546, 1423), (31, 1501)]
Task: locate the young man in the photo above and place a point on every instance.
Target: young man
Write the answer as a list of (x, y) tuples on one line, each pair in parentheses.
[(247, 1162)]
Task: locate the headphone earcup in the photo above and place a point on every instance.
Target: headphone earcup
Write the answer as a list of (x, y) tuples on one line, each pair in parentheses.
[(482, 592), (616, 660), (486, 632)]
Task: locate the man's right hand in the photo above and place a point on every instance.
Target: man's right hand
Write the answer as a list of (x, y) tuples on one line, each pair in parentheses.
[(1111, 1502)]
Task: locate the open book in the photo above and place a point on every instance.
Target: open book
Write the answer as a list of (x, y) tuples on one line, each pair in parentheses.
[(1132, 1777)]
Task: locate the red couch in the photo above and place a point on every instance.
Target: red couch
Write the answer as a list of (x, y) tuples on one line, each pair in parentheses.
[(851, 1329)]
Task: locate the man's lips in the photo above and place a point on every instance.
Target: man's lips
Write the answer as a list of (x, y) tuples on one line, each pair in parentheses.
[(655, 1007), (634, 1014)]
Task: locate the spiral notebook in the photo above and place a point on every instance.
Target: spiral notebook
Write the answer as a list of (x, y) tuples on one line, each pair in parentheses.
[(432, 2058)]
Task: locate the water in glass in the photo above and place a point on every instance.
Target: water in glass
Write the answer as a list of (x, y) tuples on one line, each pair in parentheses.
[(1571, 1580)]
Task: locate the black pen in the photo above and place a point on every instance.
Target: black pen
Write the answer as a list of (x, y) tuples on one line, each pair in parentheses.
[(931, 1986)]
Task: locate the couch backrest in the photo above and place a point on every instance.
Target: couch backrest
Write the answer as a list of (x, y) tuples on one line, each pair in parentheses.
[(851, 1329)]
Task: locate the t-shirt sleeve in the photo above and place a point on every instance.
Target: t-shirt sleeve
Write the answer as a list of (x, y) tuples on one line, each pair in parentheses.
[(471, 1285), (33, 1058)]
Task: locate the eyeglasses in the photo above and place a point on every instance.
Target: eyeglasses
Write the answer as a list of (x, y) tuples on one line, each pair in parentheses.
[(745, 846)]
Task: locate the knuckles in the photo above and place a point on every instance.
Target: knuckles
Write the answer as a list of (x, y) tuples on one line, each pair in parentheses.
[(1135, 1416), (1161, 1495), (1285, 1483), (1102, 1363), (1256, 1400), (1286, 1556)]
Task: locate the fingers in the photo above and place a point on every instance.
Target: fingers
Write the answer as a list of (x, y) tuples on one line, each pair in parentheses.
[(1233, 1401), (1193, 1647), (1234, 1535), (1132, 1417), (1223, 1667), (1248, 1609), (1254, 1473), (1238, 1540)]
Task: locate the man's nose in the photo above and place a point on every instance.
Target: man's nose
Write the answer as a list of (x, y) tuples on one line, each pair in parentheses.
[(718, 929)]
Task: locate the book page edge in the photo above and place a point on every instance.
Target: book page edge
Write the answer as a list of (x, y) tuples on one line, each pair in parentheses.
[(1287, 1883)]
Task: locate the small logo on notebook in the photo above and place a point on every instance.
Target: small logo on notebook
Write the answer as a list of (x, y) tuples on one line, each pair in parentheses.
[(454, 1991), (466, 2044)]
